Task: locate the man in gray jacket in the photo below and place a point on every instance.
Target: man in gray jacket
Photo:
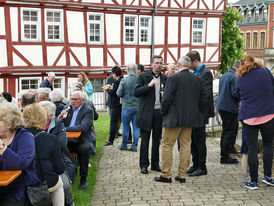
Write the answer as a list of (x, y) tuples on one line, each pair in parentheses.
[(130, 106)]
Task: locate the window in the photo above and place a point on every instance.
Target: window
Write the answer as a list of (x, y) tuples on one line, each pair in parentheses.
[(130, 29), (95, 28), (248, 16), (145, 30), (54, 25), (248, 41), (262, 45), (27, 83), (264, 14), (57, 84), (30, 24), (243, 15), (257, 13), (255, 40), (198, 31)]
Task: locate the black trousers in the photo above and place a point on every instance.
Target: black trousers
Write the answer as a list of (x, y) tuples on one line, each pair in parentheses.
[(82, 150), (156, 138), (114, 118), (267, 132), (229, 133), (198, 147)]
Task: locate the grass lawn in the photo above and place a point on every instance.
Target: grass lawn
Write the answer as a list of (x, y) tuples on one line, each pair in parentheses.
[(84, 197)]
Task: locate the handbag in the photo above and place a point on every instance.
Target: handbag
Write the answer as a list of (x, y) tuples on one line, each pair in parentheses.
[(39, 195)]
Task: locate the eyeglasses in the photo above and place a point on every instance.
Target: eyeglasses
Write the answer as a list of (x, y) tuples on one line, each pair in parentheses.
[(74, 99)]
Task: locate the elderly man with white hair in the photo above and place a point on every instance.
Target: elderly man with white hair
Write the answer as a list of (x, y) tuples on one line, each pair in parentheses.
[(130, 107), (79, 118), (48, 82), (183, 96)]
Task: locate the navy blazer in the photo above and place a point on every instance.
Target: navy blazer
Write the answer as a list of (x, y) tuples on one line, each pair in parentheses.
[(83, 123), (46, 84)]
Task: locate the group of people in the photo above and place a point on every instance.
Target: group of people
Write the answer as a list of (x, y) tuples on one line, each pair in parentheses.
[(177, 106), (170, 107), (33, 139)]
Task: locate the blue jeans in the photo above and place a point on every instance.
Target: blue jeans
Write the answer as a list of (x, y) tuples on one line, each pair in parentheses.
[(127, 116)]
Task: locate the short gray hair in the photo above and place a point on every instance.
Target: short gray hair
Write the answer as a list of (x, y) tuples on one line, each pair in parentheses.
[(51, 74), (132, 69), (44, 91), (56, 95), (50, 108), (184, 61), (80, 93), (237, 64)]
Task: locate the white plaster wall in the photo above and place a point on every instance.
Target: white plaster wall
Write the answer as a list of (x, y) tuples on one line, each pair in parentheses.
[(1, 85), (76, 29), (113, 28), (130, 55), (17, 61), (14, 23), (72, 61), (92, 1), (111, 2), (96, 56), (116, 53), (159, 35), (62, 60), (209, 52), (52, 53), (185, 30), (32, 53), (193, 6), (174, 52), (2, 21), (173, 30), (201, 51), (144, 56), (3, 53), (217, 2), (213, 30), (209, 4), (81, 54), (184, 51)]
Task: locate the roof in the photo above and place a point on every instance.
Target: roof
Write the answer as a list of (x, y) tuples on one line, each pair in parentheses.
[(250, 2)]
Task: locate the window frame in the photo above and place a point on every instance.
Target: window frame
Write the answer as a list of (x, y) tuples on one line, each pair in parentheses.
[(28, 78), (135, 28), (38, 25), (61, 25), (264, 14), (248, 42), (203, 32), (101, 22), (253, 39), (148, 29), (261, 39)]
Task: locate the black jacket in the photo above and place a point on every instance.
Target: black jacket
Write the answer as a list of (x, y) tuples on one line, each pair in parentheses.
[(47, 147), (46, 84), (208, 109), (114, 99), (183, 97), (146, 95), (83, 123)]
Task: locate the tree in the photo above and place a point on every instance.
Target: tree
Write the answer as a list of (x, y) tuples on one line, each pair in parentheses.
[(232, 42)]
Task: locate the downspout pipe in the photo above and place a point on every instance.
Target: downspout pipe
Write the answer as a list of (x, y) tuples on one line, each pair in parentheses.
[(152, 30)]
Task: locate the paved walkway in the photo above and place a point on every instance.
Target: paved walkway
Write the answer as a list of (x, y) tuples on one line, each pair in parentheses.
[(120, 182)]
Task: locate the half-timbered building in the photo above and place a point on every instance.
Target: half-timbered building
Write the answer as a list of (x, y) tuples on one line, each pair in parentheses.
[(68, 36)]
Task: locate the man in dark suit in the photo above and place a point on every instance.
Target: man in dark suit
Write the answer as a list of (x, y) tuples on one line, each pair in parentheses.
[(198, 144), (80, 119), (149, 118), (183, 95), (48, 82)]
